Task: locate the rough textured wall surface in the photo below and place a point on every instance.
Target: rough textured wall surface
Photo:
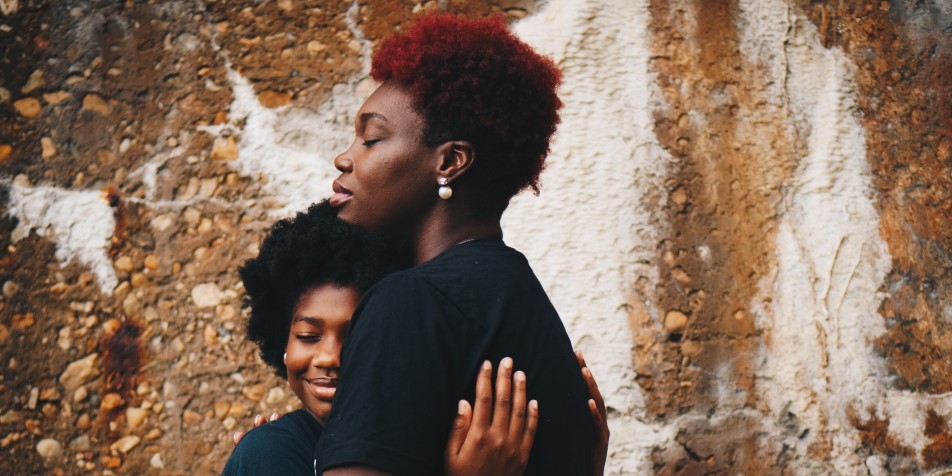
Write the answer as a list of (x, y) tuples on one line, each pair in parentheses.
[(744, 221)]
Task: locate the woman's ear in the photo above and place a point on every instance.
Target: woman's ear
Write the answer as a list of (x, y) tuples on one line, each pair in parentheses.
[(456, 157)]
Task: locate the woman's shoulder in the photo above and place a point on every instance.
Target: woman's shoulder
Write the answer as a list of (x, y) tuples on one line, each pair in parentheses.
[(289, 442)]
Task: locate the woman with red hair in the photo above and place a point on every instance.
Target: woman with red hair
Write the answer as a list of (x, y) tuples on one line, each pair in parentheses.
[(460, 123)]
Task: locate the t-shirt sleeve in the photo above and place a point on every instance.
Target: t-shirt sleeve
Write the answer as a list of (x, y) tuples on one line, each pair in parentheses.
[(401, 368), (269, 450)]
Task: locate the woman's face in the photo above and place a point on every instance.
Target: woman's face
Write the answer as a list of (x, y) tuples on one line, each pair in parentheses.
[(388, 176), (319, 326)]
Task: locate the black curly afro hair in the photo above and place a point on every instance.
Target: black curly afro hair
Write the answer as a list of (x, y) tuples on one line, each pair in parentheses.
[(312, 249)]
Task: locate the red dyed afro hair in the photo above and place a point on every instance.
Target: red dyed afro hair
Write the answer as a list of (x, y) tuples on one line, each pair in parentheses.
[(474, 80)]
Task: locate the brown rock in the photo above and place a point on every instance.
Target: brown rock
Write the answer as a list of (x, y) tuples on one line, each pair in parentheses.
[(33, 426), (83, 422), (5, 151), (4, 334), (225, 148), (191, 418), (50, 394), (79, 372), (254, 392), (139, 280), (209, 335), (11, 416), (237, 409), (679, 196), (221, 409), (55, 98), (48, 148), (151, 262), (153, 434), (34, 82), (94, 103), (80, 394), (125, 444), (135, 416), (106, 157), (111, 326), (110, 462), (675, 321), (50, 410), (23, 321), (680, 276), (124, 263), (111, 401), (29, 108), (273, 99)]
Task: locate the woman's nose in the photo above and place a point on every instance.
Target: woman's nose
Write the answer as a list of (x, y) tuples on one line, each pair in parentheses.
[(344, 162)]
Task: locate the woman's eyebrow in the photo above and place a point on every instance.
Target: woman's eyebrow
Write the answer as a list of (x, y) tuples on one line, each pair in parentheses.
[(372, 115)]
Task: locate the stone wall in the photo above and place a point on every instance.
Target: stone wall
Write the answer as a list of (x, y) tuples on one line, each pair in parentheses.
[(744, 221)]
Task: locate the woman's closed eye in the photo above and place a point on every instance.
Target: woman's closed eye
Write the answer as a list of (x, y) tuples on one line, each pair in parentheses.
[(371, 142)]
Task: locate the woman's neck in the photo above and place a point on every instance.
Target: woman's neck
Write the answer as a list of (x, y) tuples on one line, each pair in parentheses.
[(446, 230)]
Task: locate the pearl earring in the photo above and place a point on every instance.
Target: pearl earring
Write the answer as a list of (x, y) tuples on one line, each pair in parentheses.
[(445, 191), (285, 357)]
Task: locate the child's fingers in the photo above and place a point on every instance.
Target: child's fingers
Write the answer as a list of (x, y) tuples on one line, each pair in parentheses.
[(461, 424), (483, 407), (503, 396), (532, 424), (519, 411), (594, 392)]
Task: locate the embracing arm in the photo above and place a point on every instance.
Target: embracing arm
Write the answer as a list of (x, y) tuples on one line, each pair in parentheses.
[(493, 437)]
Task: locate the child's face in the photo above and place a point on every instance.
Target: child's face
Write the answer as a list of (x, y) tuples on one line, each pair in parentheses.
[(319, 326)]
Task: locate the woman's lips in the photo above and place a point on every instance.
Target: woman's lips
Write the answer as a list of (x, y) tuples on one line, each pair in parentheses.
[(323, 387), (341, 195)]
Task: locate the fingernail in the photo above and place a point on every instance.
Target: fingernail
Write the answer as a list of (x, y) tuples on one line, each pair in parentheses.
[(235, 437), (520, 376), (533, 404), (586, 372), (462, 407), (274, 416), (506, 362), (487, 365)]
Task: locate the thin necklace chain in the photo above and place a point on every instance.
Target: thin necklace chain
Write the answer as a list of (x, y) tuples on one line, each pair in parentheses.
[(467, 240)]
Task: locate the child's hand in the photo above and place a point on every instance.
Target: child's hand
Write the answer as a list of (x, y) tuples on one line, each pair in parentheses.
[(255, 423), (596, 406), (493, 439)]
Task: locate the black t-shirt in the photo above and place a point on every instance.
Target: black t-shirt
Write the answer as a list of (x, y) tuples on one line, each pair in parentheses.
[(283, 447), (416, 343)]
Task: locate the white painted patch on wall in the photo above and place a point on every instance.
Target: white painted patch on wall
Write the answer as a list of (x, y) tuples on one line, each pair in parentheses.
[(80, 223), (292, 148), (590, 234), (820, 362)]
